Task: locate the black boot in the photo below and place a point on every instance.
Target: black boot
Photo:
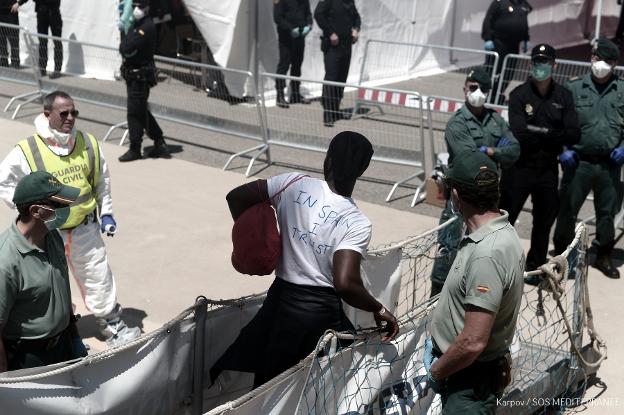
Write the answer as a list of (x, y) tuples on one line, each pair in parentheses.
[(160, 149), (130, 155), (604, 264), (295, 95), (281, 100)]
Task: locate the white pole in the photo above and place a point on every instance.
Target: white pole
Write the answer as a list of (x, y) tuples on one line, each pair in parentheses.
[(598, 20)]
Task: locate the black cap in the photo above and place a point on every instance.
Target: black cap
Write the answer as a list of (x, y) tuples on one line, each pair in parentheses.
[(606, 50), (482, 77), (543, 50)]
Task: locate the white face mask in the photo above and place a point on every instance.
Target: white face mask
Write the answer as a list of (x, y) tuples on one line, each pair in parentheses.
[(600, 69), (62, 138), (476, 98), (138, 13)]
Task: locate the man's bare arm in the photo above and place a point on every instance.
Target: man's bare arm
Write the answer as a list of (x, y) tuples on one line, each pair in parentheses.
[(468, 345)]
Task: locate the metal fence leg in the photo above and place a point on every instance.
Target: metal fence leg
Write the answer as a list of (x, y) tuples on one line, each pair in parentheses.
[(113, 128), (16, 97), (201, 308), (259, 149), (28, 101)]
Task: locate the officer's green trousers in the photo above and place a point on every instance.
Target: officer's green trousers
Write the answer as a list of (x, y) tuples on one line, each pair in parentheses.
[(469, 392), (448, 242), (604, 180)]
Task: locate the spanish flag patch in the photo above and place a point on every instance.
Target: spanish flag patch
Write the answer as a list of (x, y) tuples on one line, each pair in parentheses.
[(483, 289)]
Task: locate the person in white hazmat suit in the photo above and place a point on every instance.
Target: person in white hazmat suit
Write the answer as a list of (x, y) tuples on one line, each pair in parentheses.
[(75, 159)]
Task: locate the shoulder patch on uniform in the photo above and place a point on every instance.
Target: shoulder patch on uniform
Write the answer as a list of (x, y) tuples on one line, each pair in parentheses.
[(141, 32), (483, 289)]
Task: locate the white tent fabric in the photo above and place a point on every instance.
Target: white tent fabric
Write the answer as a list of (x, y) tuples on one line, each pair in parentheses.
[(230, 28)]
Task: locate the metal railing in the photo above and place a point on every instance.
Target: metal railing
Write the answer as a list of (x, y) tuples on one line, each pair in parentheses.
[(517, 69), (397, 135), (408, 60)]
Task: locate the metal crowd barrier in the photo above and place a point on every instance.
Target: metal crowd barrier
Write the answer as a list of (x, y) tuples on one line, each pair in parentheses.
[(397, 136), (517, 69), (400, 62), (13, 41)]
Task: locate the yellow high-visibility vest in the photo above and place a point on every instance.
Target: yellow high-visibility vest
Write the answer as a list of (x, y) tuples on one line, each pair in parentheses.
[(80, 168)]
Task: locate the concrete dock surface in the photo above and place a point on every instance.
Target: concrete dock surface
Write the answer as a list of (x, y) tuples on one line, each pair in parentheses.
[(173, 244)]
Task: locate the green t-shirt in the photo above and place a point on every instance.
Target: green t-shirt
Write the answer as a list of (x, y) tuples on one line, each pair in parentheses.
[(601, 115), (487, 273), (35, 299)]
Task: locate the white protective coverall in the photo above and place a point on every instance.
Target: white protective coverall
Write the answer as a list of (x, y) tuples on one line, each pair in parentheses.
[(84, 247)]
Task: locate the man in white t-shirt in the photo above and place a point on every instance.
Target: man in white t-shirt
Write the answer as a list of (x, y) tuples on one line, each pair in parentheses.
[(324, 235)]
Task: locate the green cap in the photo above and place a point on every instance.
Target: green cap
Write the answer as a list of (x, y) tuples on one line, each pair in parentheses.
[(482, 77), (607, 50), (468, 165), (41, 185)]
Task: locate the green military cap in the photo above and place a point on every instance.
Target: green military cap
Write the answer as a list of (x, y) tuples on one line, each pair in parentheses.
[(605, 49), (468, 165), (482, 77), (41, 185)]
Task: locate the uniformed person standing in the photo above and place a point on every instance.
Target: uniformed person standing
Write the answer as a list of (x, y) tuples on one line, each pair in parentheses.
[(467, 357), (472, 127), (139, 70), (37, 326), (543, 119), (49, 19), (294, 22), (340, 22), (9, 14), (505, 26), (595, 162)]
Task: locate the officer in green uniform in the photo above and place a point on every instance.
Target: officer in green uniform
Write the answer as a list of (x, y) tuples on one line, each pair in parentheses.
[(595, 162), (467, 357), (472, 127), (36, 320)]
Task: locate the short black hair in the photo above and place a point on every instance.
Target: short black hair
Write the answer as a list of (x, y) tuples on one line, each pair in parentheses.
[(484, 195), (48, 100)]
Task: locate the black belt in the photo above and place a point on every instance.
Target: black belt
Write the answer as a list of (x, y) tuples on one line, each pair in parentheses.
[(34, 344), (594, 159)]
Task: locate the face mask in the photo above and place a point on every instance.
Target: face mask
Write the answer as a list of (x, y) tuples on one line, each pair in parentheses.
[(60, 217), (476, 98), (62, 138), (600, 69), (541, 71), (138, 13)]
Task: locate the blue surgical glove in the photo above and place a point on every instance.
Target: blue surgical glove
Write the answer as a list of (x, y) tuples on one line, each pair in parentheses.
[(483, 149), (294, 33), (489, 45), (525, 46), (503, 142), (78, 348), (617, 156), (568, 159), (428, 361), (108, 225), (305, 30)]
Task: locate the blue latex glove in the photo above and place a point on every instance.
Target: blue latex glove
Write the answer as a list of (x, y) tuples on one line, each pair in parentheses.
[(525, 46), (78, 348), (108, 225), (428, 361), (483, 149), (503, 142), (568, 159), (617, 156), (305, 30), (295, 33), (489, 45)]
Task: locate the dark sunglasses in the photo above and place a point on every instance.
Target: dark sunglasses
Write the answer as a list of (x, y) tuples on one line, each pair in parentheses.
[(65, 114), (473, 88)]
